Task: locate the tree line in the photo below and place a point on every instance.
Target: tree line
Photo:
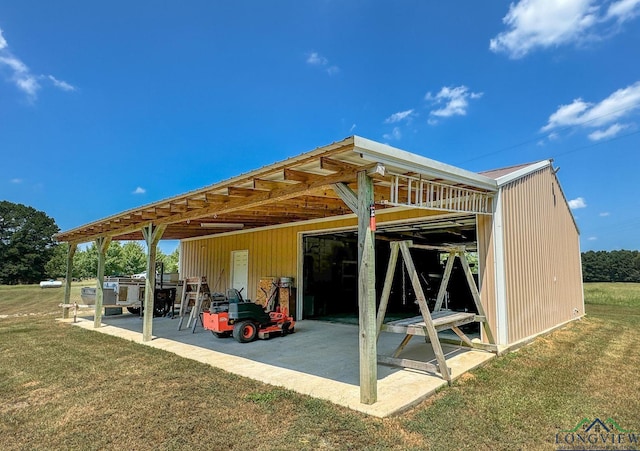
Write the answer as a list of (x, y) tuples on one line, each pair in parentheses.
[(611, 266), (122, 259), (29, 254)]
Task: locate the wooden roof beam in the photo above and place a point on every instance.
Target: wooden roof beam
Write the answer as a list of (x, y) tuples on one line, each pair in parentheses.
[(163, 212), (216, 198), (264, 197), (299, 176), (310, 201), (304, 210), (262, 184), (178, 208), (335, 165), (196, 203), (241, 192), (148, 215)]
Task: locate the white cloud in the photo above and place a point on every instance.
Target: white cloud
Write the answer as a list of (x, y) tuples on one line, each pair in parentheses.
[(16, 180), (623, 10), (576, 203), (21, 76), (332, 70), (456, 101), (139, 190), (353, 127), (592, 238), (61, 84), (532, 24), (315, 59), (395, 134), (605, 214), (399, 116), (608, 133), (621, 103)]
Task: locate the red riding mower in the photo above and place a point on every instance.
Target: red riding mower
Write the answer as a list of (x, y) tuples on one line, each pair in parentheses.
[(246, 320)]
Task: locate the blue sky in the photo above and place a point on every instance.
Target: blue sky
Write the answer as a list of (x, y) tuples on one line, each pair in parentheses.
[(106, 106)]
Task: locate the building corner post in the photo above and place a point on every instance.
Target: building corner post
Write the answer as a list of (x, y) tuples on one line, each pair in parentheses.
[(367, 292), (152, 235), (102, 243), (67, 281)]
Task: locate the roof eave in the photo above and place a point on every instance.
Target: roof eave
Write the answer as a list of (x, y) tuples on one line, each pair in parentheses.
[(401, 159), (522, 172), (289, 161)]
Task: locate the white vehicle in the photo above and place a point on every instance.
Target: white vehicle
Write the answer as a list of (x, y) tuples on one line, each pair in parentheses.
[(50, 284)]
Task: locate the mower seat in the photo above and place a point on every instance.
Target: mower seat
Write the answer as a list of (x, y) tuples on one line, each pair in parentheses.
[(248, 311)]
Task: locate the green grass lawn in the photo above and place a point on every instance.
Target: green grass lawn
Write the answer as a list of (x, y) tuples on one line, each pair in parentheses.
[(31, 299), (618, 294), (67, 388)]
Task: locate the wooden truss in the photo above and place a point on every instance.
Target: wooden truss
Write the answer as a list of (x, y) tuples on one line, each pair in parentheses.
[(429, 324), (417, 192)]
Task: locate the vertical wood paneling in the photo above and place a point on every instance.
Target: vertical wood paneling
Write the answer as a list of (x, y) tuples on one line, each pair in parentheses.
[(542, 256)]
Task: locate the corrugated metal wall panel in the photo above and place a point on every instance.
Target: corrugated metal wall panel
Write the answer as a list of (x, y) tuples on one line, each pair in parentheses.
[(272, 253), (542, 256)]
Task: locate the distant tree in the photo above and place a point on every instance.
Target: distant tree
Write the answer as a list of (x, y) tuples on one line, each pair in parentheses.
[(85, 262), (173, 260), (57, 264), (121, 259), (26, 243), (134, 259), (114, 261), (614, 266)]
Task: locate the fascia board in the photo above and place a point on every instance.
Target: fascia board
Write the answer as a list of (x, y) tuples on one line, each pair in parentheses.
[(515, 175), (401, 159)]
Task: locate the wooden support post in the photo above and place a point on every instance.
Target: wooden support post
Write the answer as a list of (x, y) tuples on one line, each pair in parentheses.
[(462, 336), (386, 289), (476, 297), (402, 345), (445, 281), (152, 235), (102, 243), (67, 281), (367, 293), (424, 309)]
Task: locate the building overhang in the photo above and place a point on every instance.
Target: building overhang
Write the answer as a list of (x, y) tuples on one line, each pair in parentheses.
[(300, 188)]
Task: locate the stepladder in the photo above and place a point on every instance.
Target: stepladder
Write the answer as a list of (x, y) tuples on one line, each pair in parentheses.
[(195, 296)]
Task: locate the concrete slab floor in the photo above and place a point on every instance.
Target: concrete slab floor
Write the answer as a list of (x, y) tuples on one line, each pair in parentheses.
[(320, 359)]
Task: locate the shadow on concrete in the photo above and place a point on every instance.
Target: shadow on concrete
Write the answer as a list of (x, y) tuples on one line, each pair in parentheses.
[(323, 349)]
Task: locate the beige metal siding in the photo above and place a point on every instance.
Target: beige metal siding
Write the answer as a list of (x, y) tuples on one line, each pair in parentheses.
[(272, 252), (542, 256)]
